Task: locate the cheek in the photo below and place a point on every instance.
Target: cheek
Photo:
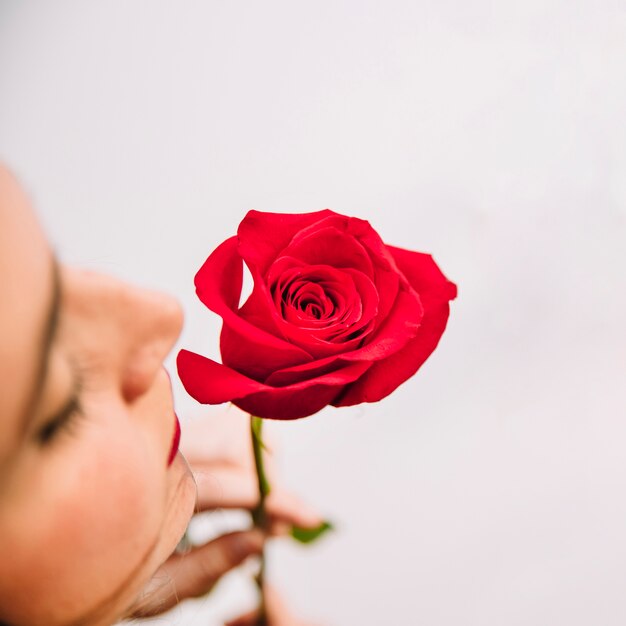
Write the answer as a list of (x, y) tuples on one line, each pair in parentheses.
[(97, 515), (116, 495)]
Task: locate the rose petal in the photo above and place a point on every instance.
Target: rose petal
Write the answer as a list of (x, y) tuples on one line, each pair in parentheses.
[(210, 382), (424, 275), (213, 383), (300, 399), (435, 290), (323, 342), (218, 284), (289, 404), (392, 337), (394, 333), (249, 358), (387, 282), (386, 375), (221, 294), (263, 236), (259, 255), (360, 230), (329, 246), (354, 295), (368, 296), (331, 365)]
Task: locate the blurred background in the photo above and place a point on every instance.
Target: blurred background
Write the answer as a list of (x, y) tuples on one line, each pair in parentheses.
[(491, 488)]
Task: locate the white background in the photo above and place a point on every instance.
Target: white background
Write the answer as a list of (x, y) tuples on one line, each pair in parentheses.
[(490, 489)]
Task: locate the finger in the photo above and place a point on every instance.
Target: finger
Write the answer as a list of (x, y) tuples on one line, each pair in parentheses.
[(194, 573), (224, 439), (231, 489), (287, 507), (225, 488), (224, 436)]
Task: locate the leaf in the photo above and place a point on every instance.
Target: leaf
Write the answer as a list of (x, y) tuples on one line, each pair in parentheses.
[(309, 535)]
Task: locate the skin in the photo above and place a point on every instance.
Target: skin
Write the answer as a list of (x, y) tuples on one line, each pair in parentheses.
[(105, 481), (90, 510)]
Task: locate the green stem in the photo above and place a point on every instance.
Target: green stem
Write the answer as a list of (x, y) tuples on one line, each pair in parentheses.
[(259, 513)]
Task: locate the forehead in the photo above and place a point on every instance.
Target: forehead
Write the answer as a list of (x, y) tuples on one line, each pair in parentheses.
[(25, 287)]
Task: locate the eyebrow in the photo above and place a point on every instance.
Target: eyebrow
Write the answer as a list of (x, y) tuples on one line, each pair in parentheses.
[(48, 333)]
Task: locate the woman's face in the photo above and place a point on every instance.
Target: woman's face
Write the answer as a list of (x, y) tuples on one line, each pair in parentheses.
[(89, 505)]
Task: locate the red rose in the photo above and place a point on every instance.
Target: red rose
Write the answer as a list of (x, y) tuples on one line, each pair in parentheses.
[(335, 316)]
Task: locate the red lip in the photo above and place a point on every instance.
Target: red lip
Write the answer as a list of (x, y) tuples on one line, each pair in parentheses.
[(175, 442)]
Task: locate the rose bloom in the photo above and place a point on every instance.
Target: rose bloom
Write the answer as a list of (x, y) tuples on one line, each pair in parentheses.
[(336, 316)]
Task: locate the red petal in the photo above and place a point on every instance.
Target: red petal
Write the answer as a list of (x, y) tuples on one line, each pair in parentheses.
[(212, 383), (400, 327), (319, 245), (218, 284), (368, 296), (224, 293), (435, 290), (392, 337), (301, 398), (319, 340), (288, 405), (424, 276), (327, 368), (262, 236), (360, 230), (386, 275), (255, 359), (386, 375), (387, 283)]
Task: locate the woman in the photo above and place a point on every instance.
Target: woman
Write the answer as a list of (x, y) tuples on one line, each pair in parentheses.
[(94, 496)]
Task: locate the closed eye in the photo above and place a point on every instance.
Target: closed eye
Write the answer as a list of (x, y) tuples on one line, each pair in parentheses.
[(67, 416)]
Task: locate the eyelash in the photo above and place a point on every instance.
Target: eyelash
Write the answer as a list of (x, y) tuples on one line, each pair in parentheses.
[(66, 418)]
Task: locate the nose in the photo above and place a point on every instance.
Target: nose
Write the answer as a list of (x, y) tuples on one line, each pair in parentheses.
[(127, 330), (158, 320)]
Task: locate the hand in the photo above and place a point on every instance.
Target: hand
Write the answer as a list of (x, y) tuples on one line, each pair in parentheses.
[(277, 613), (219, 451)]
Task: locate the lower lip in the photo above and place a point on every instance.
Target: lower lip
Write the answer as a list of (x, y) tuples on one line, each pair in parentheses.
[(175, 442)]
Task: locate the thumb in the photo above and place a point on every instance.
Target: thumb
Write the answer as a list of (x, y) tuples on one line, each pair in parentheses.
[(194, 573)]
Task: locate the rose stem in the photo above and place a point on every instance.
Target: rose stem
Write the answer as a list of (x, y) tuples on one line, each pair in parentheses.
[(259, 514)]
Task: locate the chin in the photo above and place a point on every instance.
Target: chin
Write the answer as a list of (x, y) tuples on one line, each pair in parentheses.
[(181, 503)]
